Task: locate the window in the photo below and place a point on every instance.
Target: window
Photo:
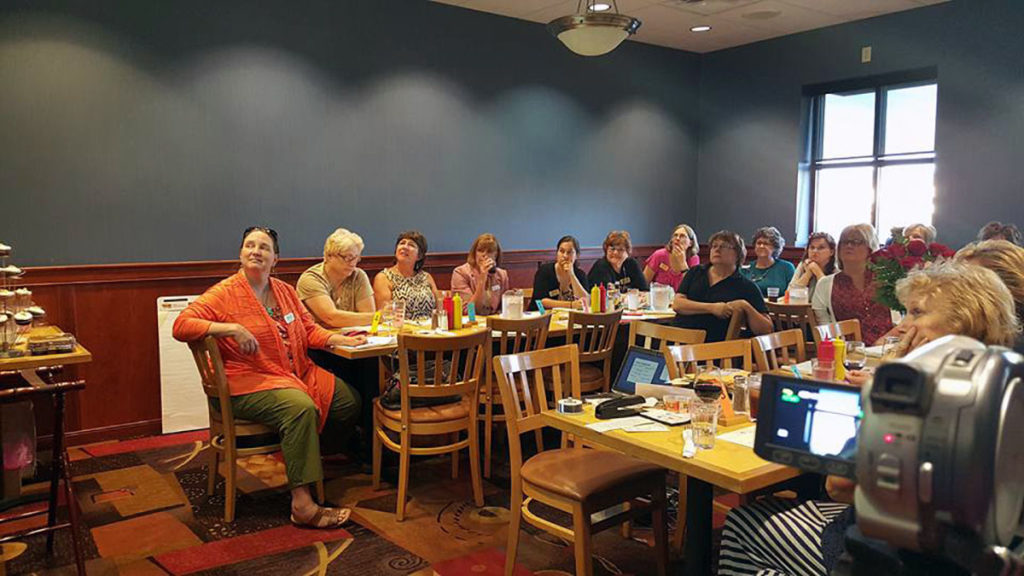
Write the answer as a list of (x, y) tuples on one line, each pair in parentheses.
[(872, 154)]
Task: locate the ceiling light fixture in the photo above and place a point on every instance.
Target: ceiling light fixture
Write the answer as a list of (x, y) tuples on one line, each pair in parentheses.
[(701, 28), (591, 32), (600, 7)]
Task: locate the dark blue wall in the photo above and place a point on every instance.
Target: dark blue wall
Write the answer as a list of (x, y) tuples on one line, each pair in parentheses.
[(750, 135), (155, 131)]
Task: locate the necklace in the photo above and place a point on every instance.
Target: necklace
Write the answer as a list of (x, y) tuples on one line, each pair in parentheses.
[(763, 274)]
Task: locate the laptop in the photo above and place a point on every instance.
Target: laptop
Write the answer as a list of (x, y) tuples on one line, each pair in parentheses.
[(640, 366)]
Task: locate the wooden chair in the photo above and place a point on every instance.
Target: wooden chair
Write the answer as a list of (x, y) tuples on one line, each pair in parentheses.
[(684, 359), (779, 349), (737, 322), (510, 337), (848, 330), (790, 316), (594, 334), (569, 479), (657, 336), (225, 429), (464, 357)]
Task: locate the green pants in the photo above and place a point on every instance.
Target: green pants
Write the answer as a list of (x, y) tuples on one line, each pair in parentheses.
[(294, 415)]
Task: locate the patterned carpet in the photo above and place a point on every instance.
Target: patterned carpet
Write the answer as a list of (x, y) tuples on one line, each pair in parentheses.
[(145, 511)]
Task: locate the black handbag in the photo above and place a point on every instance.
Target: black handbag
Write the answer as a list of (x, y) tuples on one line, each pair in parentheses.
[(392, 397)]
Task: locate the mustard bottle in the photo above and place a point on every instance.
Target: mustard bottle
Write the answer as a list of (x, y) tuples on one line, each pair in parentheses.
[(457, 311), (840, 358)]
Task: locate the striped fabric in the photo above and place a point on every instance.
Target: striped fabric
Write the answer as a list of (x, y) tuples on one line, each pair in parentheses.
[(773, 537)]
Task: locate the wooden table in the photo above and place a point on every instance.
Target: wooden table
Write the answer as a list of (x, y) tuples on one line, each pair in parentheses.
[(28, 366), (730, 466)]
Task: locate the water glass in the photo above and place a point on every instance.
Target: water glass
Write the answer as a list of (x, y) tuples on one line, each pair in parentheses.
[(799, 295), (890, 347), (673, 402), (661, 296), (512, 304), (704, 422), (397, 314), (740, 395), (823, 369), (633, 299), (856, 355), (773, 292)]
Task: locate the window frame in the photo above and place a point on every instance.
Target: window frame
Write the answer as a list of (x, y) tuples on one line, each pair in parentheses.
[(880, 85)]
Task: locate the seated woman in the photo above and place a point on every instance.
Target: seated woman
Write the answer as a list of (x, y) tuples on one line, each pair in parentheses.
[(923, 232), (711, 293), (819, 261), (617, 267), (999, 231), (1007, 261), (768, 271), (667, 265), (263, 332), (337, 293), (791, 537), (406, 281), (851, 292), (562, 282), (480, 280)]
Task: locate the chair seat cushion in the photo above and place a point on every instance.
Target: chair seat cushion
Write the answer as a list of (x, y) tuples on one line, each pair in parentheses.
[(591, 377), (580, 474), (440, 413)]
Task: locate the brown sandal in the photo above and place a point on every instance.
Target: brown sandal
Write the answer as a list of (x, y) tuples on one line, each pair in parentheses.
[(324, 518)]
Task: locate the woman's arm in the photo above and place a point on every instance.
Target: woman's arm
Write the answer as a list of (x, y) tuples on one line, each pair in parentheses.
[(329, 315), (840, 489), (648, 274), (381, 290), (686, 307)]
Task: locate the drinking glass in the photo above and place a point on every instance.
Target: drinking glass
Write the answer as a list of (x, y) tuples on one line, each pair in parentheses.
[(856, 355), (512, 304), (704, 422), (673, 402), (890, 346), (740, 395), (633, 299), (397, 314), (798, 295), (823, 369), (773, 292)]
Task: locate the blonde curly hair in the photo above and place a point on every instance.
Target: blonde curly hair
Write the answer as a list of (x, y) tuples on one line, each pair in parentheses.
[(972, 299), (1004, 258)]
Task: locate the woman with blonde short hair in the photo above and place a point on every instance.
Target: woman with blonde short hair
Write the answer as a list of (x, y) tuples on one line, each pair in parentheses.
[(336, 291), (920, 231), (850, 293), (480, 280), (1006, 259)]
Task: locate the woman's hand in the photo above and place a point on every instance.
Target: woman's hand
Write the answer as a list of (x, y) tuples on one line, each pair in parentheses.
[(246, 341), (911, 340), (840, 489), (563, 271), (813, 267), (858, 377), (722, 310), (677, 259), (486, 265), (342, 340)]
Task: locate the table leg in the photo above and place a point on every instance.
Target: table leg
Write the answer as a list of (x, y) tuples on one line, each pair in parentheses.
[(699, 496), (58, 465)]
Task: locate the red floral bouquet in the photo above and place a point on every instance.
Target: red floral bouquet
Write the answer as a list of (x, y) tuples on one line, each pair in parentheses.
[(896, 259)]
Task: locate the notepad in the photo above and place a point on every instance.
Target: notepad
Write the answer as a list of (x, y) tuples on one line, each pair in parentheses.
[(743, 436)]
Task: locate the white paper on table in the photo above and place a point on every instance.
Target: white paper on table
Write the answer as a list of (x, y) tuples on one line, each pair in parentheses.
[(648, 427), (617, 423), (374, 341), (743, 436), (804, 368), (873, 351)]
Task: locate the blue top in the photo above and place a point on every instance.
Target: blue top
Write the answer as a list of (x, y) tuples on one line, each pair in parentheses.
[(778, 275)]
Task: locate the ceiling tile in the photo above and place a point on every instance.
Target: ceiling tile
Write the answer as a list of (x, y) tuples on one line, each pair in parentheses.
[(707, 7), (788, 19), (854, 9)]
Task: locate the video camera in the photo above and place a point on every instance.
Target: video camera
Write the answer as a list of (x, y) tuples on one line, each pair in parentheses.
[(935, 443)]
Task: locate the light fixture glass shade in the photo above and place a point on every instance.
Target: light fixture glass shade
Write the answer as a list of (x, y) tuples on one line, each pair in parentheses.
[(593, 34)]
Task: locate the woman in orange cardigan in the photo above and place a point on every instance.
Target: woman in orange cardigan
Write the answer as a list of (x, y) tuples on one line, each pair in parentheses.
[(263, 331)]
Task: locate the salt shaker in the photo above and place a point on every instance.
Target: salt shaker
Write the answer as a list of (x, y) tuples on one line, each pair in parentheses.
[(740, 395)]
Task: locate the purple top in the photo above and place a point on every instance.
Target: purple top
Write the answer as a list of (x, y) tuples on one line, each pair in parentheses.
[(663, 274)]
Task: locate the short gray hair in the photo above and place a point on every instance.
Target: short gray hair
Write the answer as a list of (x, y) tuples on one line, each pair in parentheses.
[(865, 232), (341, 241), (927, 230), (771, 234)]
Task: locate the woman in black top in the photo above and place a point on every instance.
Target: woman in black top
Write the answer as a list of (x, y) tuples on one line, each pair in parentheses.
[(562, 282), (617, 267)]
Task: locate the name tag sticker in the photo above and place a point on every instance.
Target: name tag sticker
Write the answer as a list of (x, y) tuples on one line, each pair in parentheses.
[(289, 318), (496, 287), (554, 293), (663, 266)]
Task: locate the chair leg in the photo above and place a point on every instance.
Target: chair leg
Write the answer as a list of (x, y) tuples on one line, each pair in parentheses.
[(455, 457), (515, 508), (679, 536), (582, 540), (69, 495), (474, 465), (377, 445), (229, 485), (624, 528), (488, 434), (211, 481), (658, 513), (403, 475)]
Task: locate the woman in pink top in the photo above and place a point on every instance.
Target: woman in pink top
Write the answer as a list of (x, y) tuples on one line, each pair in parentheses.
[(668, 265), (480, 280)]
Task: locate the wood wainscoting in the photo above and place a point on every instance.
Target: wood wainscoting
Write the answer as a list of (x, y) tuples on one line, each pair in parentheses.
[(111, 309)]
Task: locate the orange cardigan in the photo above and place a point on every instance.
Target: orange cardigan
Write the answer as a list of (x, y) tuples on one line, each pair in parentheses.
[(232, 300)]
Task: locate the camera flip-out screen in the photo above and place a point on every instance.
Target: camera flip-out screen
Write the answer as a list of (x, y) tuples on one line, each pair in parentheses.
[(808, 424)]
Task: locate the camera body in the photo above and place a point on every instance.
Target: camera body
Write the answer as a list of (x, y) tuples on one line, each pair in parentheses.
[(939, 456)]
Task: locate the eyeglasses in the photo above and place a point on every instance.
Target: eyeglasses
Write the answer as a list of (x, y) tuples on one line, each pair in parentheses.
[(722, 246), (764, 244), (349, 258), (855, 242), (618, 249)]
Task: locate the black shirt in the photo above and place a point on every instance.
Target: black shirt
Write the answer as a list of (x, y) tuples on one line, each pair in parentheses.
[(630, 276), (545, 284), (696, 286)]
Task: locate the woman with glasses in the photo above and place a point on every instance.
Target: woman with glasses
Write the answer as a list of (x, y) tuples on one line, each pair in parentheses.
[(480, 280), (711, 293), (819, 261), (263, 332), (668, 264), (851, 292), (768, 271), (407, 281), (617, 267), (336, 291), (561, 283)]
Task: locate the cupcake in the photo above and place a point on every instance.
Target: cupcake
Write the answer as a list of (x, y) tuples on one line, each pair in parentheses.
[(23, 318), (10, 270), (5, 250)]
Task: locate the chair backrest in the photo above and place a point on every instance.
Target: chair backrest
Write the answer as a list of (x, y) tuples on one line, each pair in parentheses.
[(206, 354), (684, 359), (516, 336), (737, 322), (657, 336), (442, 366), (594, 334), (846, 329), (789, 316), (777, 349), (524, 381)]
